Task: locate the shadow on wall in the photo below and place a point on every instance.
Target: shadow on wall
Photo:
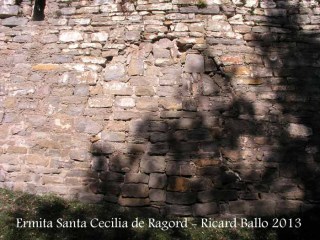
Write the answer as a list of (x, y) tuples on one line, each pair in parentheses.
[(212, 151)]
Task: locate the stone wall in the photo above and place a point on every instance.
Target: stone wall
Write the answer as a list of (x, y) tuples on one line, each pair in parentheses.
[(182, 107)]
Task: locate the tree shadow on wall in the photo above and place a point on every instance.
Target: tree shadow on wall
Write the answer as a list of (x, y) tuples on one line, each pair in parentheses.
[(290, 50), (195, 154)]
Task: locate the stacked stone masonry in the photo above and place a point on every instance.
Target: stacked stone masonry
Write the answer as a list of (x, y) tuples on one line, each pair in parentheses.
[(181, 107)]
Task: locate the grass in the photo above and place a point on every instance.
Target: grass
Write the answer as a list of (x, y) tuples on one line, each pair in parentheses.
[(15, 205)]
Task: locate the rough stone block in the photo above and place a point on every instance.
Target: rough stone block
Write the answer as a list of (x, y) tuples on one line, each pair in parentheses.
[(158, 148), (169, 103), (205, 209), (144, 91), (134, 202), (125, 102), (135, 190), (113, 136), (157, 195), (178, 210), (157, 180), (99, 37), (117, 88), (136, 67), (8, 11), (152, 164), (70, 36), (179, 184), (35, 159), (100, 102), (88, 126), (136, 178), (180, 169), (299, 130), (114, 72), (79, 154), (181, 198), (123, 163), (194, 63), (217, 195)]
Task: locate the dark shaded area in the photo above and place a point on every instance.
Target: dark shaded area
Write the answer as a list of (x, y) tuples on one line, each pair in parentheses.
[(289, 173), (38, 10)]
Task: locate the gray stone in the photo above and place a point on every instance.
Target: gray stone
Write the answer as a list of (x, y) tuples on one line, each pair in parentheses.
[(157, 195), (88, 126), (217, 195), (132, 36), (181, 198), (100, 102), (178, 210), (135, 190), (194, 63), (205, 209), (79, 154), (134, 202), (70, 36), (161, 53), (299, 130), (136, 67), (8, 11), (114, 72), (99, 37), (14, 21), (180, 169), (125, 102), (124, 163), (90, 198), (152, 164), (157, 180), (113, 136), (136, 178)]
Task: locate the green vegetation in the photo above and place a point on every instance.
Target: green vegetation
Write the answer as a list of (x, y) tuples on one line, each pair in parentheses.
[(15, 205)]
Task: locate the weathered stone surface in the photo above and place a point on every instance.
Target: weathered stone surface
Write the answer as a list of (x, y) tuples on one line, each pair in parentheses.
[(79, 155), (100, 102), (205, 209), (135, 190), (178, 184), (114, 72), (136, 67), (178, 210), (169, 105), (194, 63), (152, 164), (217, 195), (157, 180), (122, 163), (117, 88), (136, 178), (8, 11), (46, 67), (299, 130), (113, 136), (180, 169), (157, 195), (70, 36), (134, 202), (125, 102), (99, 37), (88, 126), (180, 198)]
